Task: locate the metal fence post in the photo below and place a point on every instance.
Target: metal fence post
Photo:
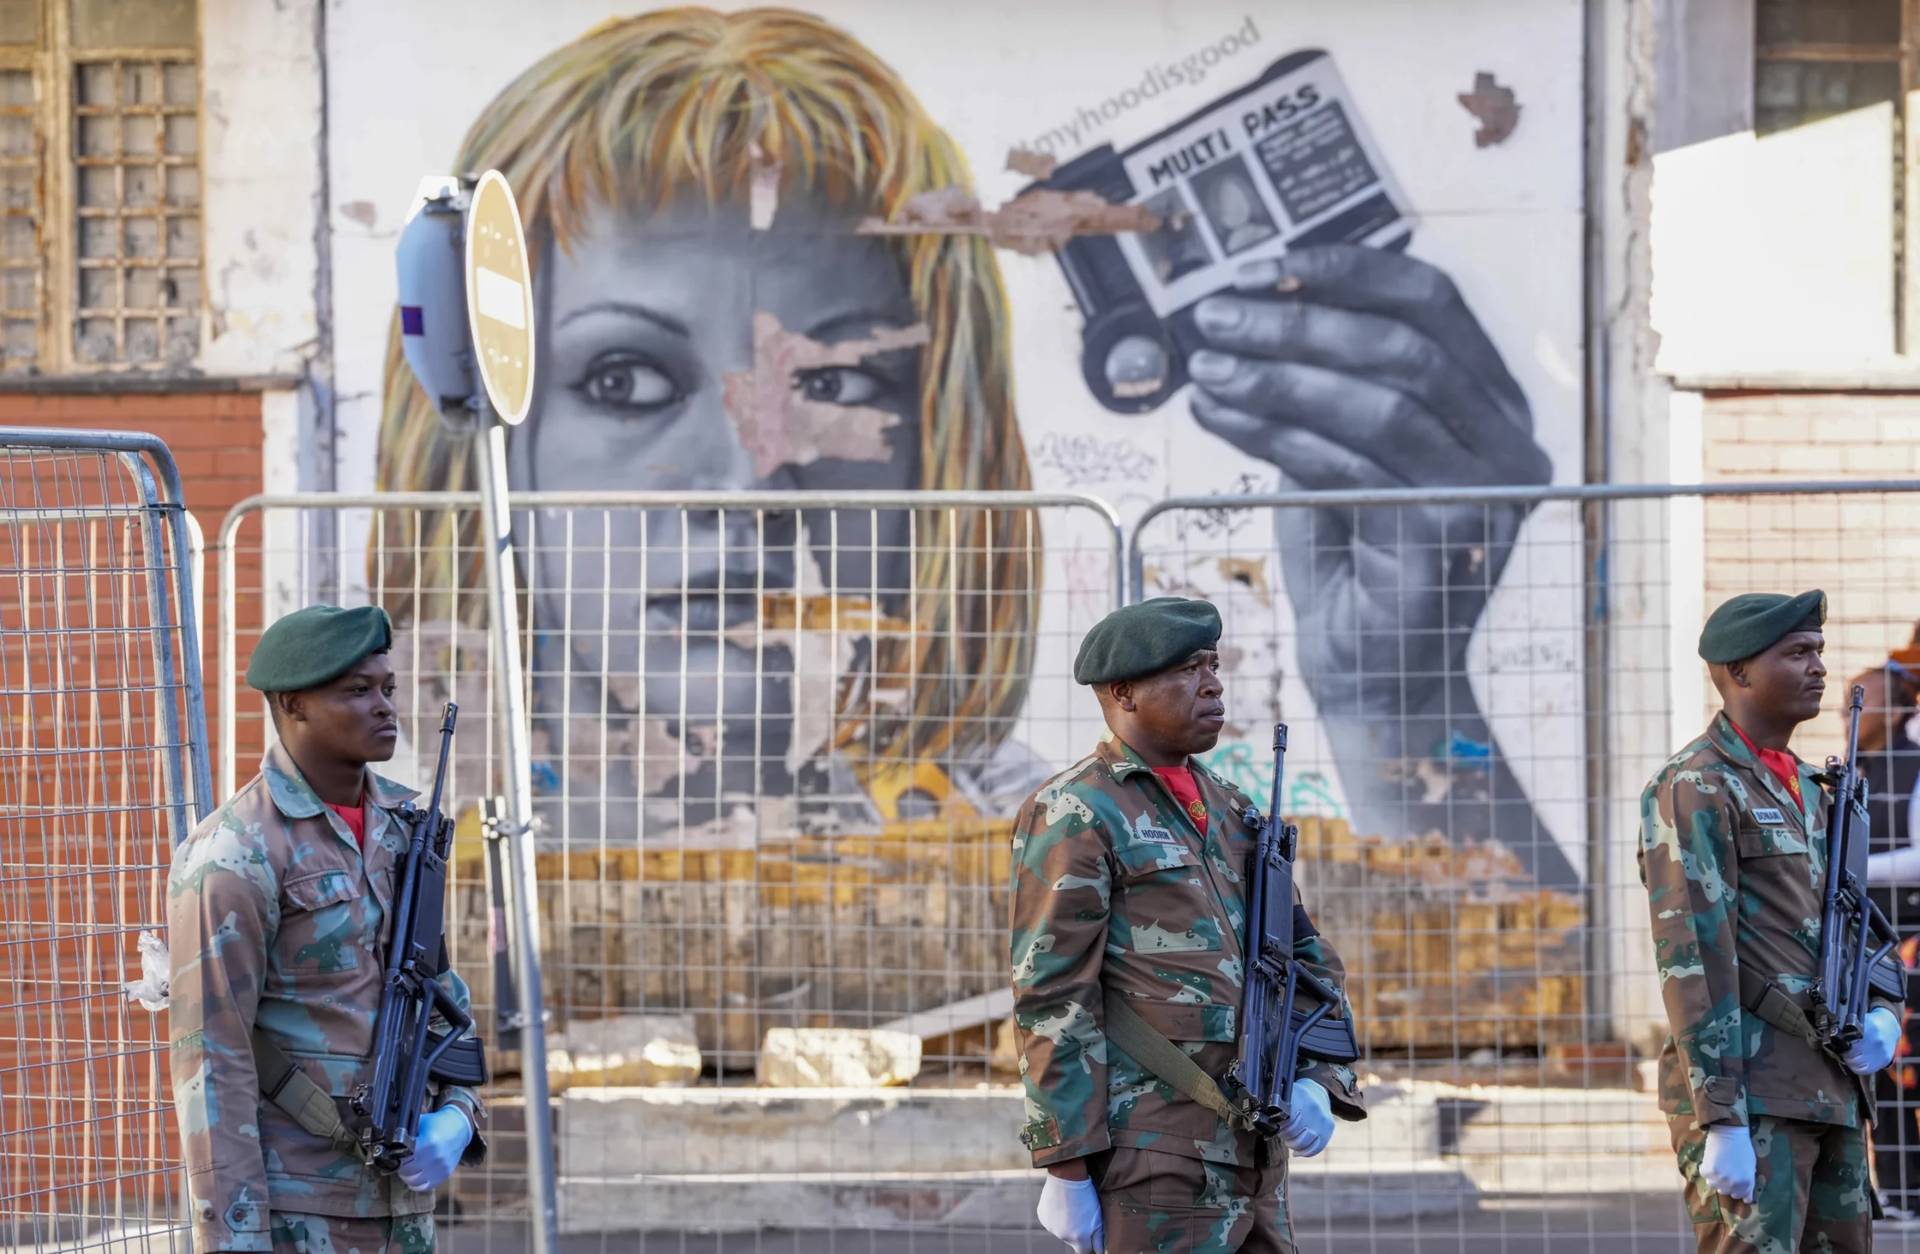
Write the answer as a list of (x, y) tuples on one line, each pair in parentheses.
[(490, 456)]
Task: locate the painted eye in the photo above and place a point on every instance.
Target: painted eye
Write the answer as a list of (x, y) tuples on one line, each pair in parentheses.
[(627, 382), (836, 385)]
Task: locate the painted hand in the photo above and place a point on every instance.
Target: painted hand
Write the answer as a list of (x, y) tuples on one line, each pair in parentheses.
[(1349, 367), (1879, 1035), (1070, 1210), (1728, 1164), (438, 1143), (1310, 1126)]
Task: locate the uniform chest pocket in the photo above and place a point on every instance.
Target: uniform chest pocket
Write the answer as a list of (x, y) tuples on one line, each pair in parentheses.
[(324, 923), (1752, 840), (1148, 852)]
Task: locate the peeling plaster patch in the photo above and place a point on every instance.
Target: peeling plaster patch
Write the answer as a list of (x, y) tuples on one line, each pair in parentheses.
[(821, 660), (361, 211), (1436, 781), (763, 189), (1494, 105), (1250, 573), (1036, 165), (779, 426), (1032, 224)]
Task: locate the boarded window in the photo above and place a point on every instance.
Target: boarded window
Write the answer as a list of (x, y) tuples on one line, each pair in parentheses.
[(100, 222)]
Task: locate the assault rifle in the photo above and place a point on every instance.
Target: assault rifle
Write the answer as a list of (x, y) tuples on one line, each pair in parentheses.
[(1856, 940), (1286, 1011), (407, 1052)]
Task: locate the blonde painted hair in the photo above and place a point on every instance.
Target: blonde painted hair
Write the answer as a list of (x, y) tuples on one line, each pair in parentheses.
[(639, 110)]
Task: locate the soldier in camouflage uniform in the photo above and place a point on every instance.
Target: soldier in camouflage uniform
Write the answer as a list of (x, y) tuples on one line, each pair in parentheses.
[(277, 912), (1129, 882), (1770, 1129)]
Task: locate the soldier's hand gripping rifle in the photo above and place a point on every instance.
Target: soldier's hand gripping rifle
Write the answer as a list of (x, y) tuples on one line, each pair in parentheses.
[(407, 1052), (1857, 942), (1286, 1012)]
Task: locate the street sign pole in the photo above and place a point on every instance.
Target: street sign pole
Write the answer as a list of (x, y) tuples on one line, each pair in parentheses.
[(500, 320)]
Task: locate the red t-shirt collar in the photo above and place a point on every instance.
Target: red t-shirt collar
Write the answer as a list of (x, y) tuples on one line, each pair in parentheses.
[(355, 817), (1180, 782), (1782, 765)]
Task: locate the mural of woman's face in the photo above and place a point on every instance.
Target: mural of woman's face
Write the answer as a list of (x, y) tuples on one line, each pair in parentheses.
[(646, 380)]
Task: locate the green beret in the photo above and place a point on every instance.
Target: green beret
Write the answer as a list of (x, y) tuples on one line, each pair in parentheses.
[(313, 646), (1145, 638), (1756, 621)]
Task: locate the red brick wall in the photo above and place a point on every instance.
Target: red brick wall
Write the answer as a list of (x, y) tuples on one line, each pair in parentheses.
[(1864, 551), (84, 1090)]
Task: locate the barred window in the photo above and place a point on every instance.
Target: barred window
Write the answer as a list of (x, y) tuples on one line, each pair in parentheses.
[(100, 222)]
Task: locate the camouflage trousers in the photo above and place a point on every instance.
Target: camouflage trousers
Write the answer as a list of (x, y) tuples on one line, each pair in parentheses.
[(1156, 1203), (1811, 1191), (294, 1233)]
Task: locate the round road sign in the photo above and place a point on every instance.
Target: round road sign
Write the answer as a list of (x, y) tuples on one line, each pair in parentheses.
[(500, 297)]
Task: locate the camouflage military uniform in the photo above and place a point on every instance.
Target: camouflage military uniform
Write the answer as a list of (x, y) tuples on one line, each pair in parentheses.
[(1734, 869), (1115, 890), (276, 920), (329, 1234)]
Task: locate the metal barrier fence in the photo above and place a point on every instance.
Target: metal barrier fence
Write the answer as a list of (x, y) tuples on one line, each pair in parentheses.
[(1480, 683), (778, 744), (103, 766)]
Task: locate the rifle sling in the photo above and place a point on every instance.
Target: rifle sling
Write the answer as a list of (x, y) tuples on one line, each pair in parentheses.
[(283, 1083), (1152, 1050)]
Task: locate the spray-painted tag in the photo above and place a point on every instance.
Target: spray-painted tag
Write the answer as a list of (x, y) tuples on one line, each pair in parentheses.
[(1767, 816)]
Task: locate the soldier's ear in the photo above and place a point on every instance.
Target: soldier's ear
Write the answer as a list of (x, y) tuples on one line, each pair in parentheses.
[(291, 706), (1737, 672), (1122, 691)]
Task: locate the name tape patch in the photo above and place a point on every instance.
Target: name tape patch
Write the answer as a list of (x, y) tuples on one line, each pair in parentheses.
[(1769, 816)]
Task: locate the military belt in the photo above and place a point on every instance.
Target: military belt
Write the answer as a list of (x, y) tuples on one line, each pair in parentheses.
[(1149, 1047), (288, 1087)]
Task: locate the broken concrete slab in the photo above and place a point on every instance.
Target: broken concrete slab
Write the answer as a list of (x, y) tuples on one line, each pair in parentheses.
[(856, 1058), (627, 1050)]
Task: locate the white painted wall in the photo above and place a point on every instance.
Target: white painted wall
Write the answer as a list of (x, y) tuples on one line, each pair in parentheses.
[(1775, 253), (1772, 255), (261, 169)]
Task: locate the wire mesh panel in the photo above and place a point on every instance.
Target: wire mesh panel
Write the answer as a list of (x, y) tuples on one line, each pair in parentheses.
[(778, 746), (103, 767), (1478, 688)]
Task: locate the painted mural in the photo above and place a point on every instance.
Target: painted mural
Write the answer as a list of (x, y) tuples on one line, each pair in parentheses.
[(804, 252)]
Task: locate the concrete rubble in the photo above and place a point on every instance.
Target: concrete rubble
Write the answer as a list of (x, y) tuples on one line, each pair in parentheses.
[(630, 1051), (843, 1058)]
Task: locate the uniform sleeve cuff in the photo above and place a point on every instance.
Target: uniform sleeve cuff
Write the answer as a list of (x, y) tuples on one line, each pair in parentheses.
[(244, 1225), (216, 1235), (1067, 1151), (476, 1112), (1344, 1097), (1721, 1100)]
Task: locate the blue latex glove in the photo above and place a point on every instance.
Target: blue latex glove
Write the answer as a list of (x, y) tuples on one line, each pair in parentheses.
[(438, 1143), (1310, 1125), (1879, 1035), (1728, 1164)]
